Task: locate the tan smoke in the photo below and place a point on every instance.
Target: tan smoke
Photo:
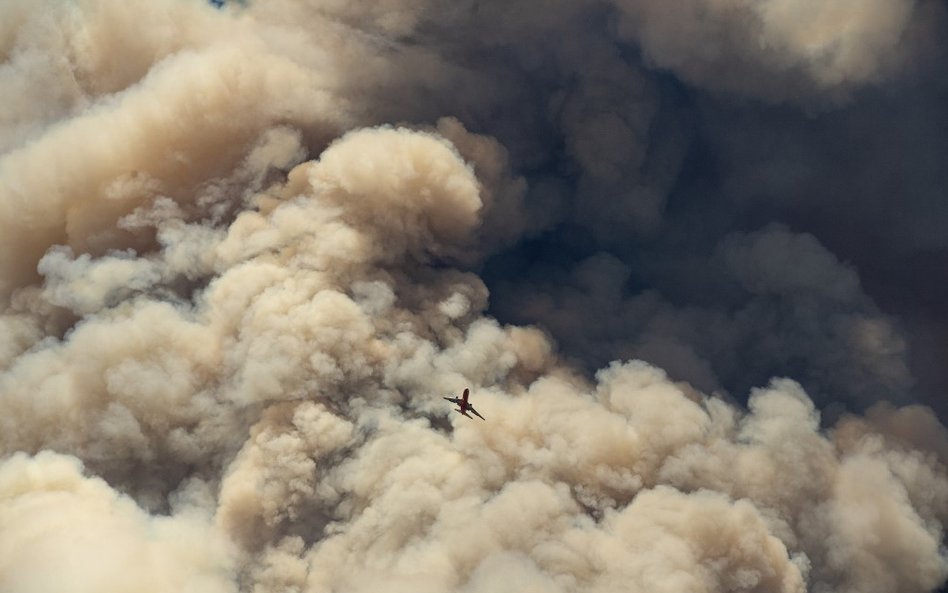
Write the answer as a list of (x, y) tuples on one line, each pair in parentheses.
[(774, 49), (64, 531), (230, 311), (169, 135)]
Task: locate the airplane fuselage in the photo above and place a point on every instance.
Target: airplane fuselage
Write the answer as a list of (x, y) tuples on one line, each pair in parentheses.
[(463, 405)]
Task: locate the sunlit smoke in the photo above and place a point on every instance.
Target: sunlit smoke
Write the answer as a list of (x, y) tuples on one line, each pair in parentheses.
[(245, 249)]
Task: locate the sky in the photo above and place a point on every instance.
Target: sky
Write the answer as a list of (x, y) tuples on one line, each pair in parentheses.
[(688, 257)]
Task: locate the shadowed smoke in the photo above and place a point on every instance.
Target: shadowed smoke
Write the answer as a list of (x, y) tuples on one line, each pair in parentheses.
[(674, 249)]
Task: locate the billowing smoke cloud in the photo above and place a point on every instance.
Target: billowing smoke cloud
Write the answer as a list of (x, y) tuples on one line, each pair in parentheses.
[(60, 527), (776, 49), (785, 303), (245, 252)]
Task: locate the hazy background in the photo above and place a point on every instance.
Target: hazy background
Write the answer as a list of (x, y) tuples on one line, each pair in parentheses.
[(689, 257)]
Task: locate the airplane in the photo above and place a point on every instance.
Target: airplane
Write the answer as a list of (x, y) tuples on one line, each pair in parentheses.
[(463, 406)]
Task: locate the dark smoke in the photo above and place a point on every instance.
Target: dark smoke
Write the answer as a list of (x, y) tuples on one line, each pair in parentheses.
[(688, 257)]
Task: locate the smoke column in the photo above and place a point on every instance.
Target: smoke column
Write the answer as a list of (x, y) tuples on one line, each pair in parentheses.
[(688, 257)]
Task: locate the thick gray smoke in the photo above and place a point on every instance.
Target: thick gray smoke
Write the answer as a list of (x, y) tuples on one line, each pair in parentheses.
[(245, 252)]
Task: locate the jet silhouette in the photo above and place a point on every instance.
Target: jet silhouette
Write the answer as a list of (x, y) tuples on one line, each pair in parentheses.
[(463, 406)]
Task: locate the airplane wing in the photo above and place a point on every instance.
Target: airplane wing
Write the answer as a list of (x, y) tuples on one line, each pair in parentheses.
[(472, 410), (453, 400)]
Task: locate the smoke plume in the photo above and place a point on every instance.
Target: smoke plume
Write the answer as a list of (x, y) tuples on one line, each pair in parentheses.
[(684, 255)]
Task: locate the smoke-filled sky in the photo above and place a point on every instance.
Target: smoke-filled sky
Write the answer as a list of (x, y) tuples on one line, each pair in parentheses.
[(690, 258)]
